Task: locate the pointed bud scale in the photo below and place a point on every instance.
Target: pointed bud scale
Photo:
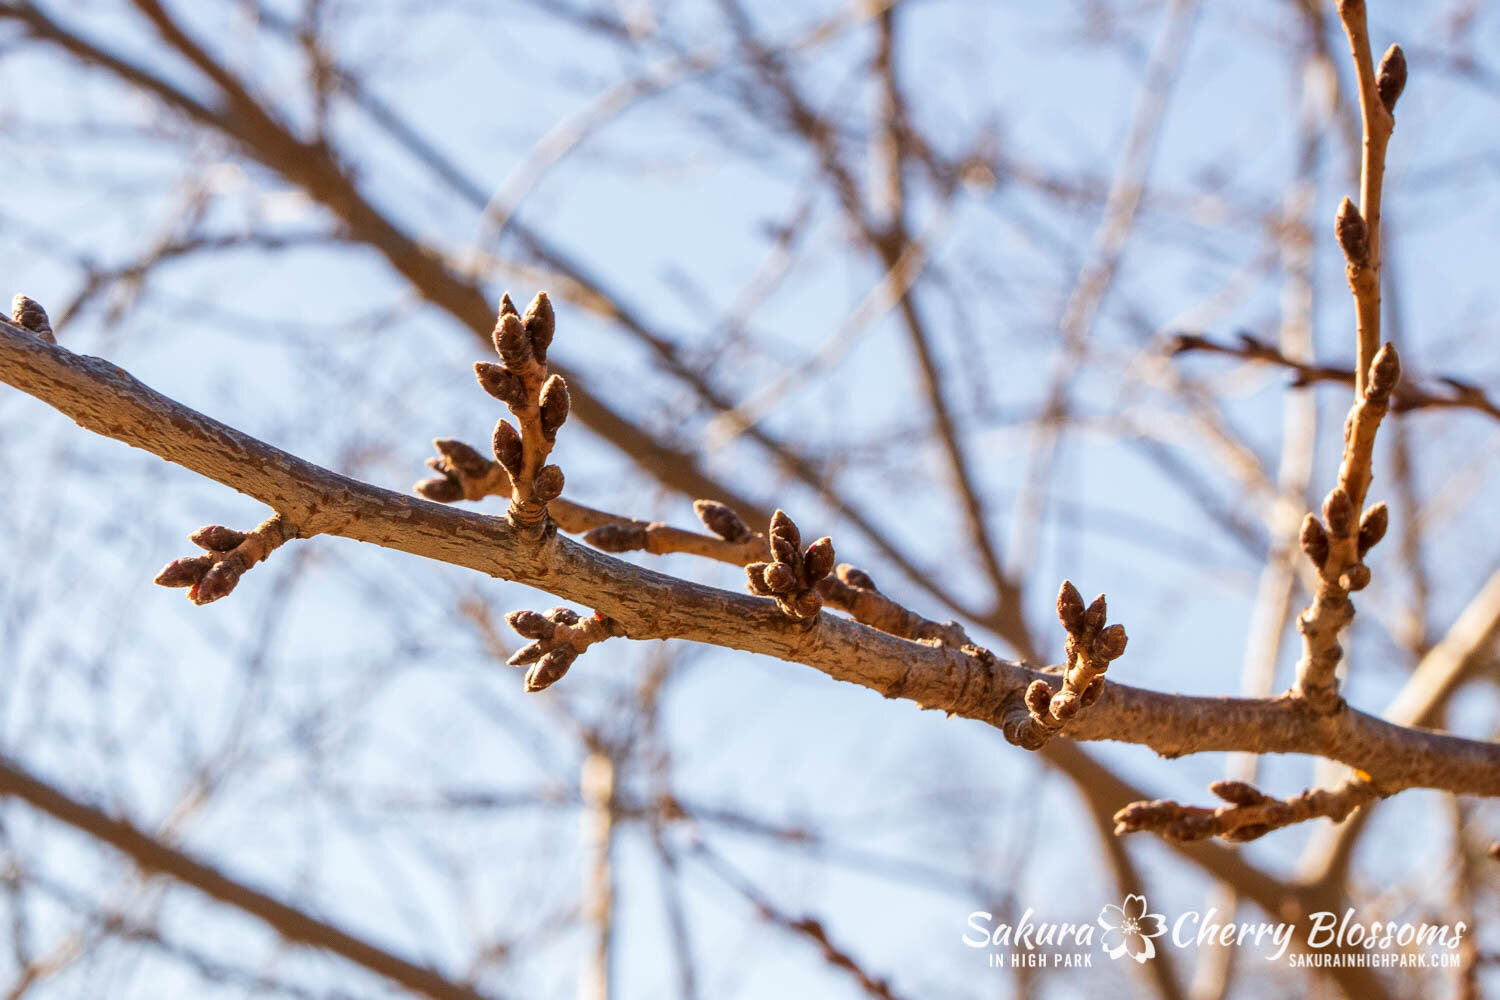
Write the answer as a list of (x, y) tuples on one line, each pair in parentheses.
[(1338, 512), (722, 521), (463, 458), (1385, 372), (216, 538), (507, 307), (218, 582), (1070, 608), (530, 624), (511, 342), (183, 572), (439, 489), (554, 403), (782, 526), (539, 323), (501, 383), (529, 653), (1372, 527), (1352, 233), (1110, 644), (1390, 79), (550, 669), (1237, 793), (817, 561), (1314, 540), (1098, 612), (507, 445), (755, 574)]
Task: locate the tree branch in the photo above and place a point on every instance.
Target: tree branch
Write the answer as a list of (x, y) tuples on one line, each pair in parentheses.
[(647, 605), (291, 924)]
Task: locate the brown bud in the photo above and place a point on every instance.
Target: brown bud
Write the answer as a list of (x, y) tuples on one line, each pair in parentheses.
[(1314, 540), (440, 489), (501, 383), (1338, 511), (1092, 693), (548, 484), (722, 521), (506, 306), (28, 314), (1097, 614), (1070, 608), (528, 654), (563, 616), (1064, 705), (218, 582), (1390, 79), (1372, 527), (1110, 644), (1356, 577), (507, 445), (779, 577), (1353, 235), (784, 550), (216, 538), (855, 577), (782, 526), (1385, 372), (511, 342), (184, 572), (1038, 697), (464, 459), (550, 669), (531, 624), (755, 574), (554, 403), (617, 537), (539, 323), (1238, 793), (807, 603), (817, 561)]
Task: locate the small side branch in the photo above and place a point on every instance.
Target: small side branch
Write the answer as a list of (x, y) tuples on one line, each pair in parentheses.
[(292, 924), (1337, 545), (229, 554), (557, 639), (1091, 646), (1248, 814)]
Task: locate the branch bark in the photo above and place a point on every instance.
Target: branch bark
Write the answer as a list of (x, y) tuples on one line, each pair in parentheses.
[(969, 682)]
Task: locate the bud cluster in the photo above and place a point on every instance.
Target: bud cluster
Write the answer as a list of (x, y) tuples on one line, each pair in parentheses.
[(792, 575)]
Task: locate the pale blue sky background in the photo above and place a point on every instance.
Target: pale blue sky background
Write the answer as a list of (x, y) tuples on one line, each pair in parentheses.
[(360, 692)]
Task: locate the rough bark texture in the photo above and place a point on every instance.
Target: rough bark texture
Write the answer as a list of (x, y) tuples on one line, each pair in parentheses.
[(105, 399)]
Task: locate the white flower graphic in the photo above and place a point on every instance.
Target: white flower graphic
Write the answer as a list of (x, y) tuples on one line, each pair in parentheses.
[(1128, 929)]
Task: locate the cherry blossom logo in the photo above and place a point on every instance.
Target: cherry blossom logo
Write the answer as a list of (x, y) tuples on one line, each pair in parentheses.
[(1128, 929)]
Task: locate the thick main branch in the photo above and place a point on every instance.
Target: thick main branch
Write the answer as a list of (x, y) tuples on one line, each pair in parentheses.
[(105, 399)]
